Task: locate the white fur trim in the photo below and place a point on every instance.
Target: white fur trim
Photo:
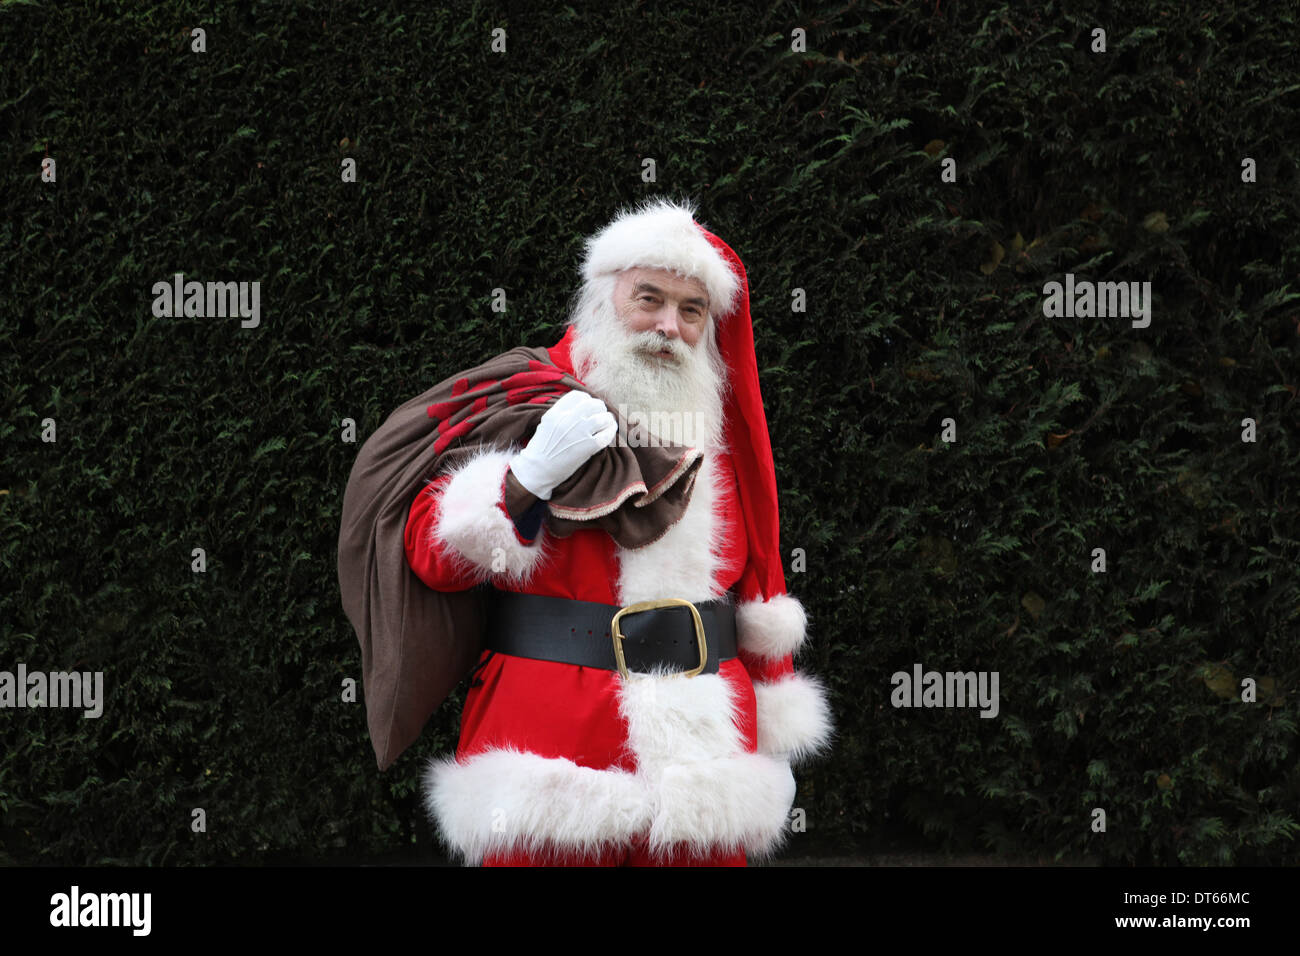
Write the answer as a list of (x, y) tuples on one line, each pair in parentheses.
[(740, 802), (672, 719), (473, 524), (711, 793), (504, 800), (771, 629), (662, 234), (694, 787), (794, 717), (682, 561)]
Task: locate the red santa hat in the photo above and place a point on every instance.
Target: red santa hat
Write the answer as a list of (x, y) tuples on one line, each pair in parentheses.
[(663, 234)]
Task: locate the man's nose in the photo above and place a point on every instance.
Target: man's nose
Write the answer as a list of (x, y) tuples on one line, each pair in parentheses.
[(666, 321)]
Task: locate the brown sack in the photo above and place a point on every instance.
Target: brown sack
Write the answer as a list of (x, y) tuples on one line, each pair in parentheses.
[(417, 643)]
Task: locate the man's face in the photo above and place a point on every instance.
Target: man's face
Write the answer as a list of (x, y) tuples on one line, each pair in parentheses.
[(662, 302), (650, 346)]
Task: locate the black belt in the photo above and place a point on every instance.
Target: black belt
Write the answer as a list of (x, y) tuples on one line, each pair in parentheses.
[(653, 633)]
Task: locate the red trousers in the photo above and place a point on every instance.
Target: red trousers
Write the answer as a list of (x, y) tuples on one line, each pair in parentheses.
[(636, 854)]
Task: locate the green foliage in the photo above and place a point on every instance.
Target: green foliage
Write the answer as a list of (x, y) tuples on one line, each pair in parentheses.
[(1119, 690)]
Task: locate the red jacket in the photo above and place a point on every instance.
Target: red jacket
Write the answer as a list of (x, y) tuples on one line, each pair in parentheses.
[(566, 758)]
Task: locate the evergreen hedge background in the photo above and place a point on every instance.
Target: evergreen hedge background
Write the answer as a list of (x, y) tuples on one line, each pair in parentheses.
[(822, 169)]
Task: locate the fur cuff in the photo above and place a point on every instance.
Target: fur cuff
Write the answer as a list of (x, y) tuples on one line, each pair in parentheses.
[(773, 628), (794, 717), (474, 524)]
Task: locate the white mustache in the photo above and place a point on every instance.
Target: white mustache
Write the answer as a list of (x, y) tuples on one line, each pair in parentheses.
[(654, 343)]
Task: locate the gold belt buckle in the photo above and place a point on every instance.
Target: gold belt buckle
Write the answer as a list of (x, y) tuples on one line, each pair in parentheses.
[(649, 606)]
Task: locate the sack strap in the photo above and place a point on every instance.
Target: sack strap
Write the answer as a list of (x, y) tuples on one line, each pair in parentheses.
[(581, 632)]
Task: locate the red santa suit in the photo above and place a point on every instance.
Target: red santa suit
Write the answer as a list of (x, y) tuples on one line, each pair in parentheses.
[(560, 762)]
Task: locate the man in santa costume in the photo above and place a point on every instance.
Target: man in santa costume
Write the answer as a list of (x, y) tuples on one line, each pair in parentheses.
[(584, 743)]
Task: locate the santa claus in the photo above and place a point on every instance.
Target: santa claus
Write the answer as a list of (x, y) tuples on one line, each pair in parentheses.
[(664, 737)]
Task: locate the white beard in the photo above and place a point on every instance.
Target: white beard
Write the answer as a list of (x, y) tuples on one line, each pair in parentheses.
[(676, 401), (687, 394)]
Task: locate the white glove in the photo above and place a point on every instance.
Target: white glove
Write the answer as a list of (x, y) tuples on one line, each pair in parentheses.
[(572, 430)]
